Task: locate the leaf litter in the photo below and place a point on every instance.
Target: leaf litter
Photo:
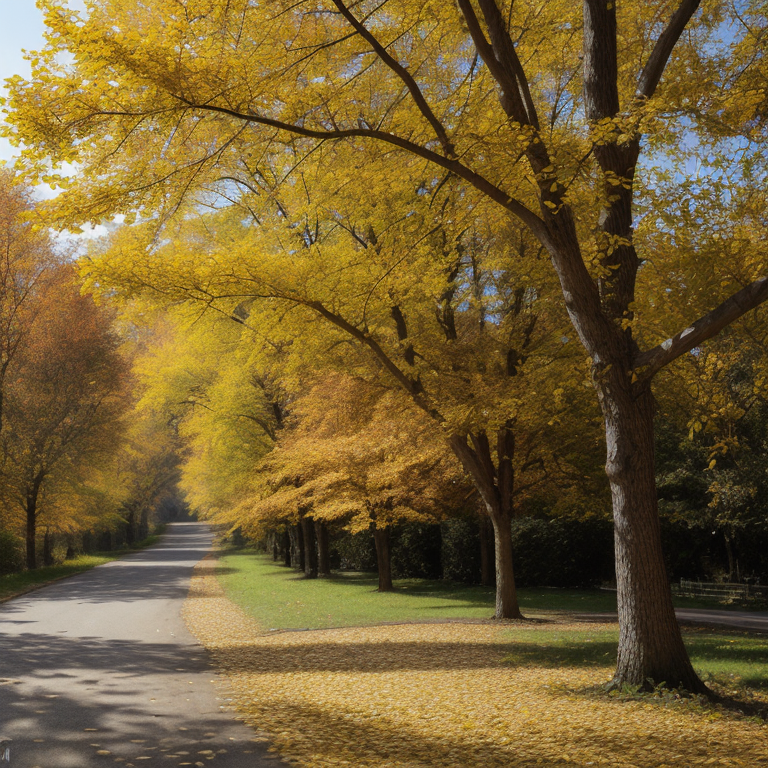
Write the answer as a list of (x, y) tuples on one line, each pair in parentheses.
[(426, 695)]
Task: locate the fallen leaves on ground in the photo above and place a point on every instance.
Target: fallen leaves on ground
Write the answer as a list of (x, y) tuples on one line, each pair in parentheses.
[(419, 695)]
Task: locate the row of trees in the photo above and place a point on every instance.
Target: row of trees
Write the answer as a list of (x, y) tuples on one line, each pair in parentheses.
[(350, 148), (74, 457)]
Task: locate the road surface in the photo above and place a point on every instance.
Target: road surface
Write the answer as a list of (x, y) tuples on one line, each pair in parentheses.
[(100, 670)]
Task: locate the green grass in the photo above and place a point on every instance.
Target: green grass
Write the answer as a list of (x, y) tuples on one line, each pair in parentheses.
[(14, 584), (279, 598), (282, 599)]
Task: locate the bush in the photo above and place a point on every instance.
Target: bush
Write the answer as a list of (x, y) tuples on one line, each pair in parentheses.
[(562, 552), (461, 550), (415, 551), (11, 553)]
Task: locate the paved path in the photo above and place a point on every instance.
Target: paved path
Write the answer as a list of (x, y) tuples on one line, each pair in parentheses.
[(100, 670), (755, 621)]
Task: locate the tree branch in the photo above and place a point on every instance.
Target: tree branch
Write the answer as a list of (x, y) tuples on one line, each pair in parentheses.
[(403, 74), (527, 216), (704, 328), (657, 62)]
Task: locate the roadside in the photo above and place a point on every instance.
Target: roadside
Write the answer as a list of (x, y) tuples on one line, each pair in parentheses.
[(457, 694), (16, 584)]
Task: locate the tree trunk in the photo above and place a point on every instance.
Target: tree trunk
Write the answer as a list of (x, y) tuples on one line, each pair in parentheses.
[(729, 552), (144, 524), (383, 558), (301, 548), (130, 527), (310, 547), (487, 552), (47, 548), (495, 483), (286, 548), (323, 555), (651, 649), (275, 548), (31, 512)]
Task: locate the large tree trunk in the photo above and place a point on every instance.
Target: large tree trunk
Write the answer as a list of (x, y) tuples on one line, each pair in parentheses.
[(383, 558), (494, 483), (286, 548), (651, 649), (310, 547), (323, 555), (301, 548)]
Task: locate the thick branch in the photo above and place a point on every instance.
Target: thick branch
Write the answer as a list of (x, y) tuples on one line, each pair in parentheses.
[(403, 74), (503, 73), (657, 62), (528, 217), (704, 328)]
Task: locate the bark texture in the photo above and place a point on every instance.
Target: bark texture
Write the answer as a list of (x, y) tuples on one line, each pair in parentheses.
[(323, 554), (310, 547), (651, 650), (383, 558)]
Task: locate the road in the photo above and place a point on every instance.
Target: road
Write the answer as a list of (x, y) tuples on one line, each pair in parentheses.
[(100, 670)]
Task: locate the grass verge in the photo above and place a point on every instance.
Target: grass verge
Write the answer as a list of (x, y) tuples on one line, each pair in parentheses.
[(461, 695), (283, 599), (15, 584)]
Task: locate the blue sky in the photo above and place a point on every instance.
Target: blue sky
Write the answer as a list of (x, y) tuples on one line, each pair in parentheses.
[(21, 26)]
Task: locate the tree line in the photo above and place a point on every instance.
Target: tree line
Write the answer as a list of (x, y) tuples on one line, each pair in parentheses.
[(469, 208)]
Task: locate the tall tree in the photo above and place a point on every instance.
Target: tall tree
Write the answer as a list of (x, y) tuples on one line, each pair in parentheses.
[(154, 100), (64, 398)]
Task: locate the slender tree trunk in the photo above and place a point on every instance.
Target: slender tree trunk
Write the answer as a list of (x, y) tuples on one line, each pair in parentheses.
[(383, 558), (729, 552), (31, 512), (275, 548), (47, 548), (323, 555), (144, 524), (650, 643), (495, 483), (487, 552), (302, 553), (310, 547), (130, 527), (286, 548)]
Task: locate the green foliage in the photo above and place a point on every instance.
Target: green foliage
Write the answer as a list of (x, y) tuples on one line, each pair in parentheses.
[(11, 552)]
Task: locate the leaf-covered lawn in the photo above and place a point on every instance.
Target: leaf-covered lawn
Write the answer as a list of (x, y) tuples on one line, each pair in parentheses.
[(454, 695)]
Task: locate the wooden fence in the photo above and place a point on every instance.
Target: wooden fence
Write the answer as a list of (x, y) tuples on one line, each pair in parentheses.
[(723, 592)]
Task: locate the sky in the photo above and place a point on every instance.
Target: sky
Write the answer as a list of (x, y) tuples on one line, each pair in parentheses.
[(21, 27)]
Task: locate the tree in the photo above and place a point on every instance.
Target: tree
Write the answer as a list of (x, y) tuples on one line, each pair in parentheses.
[(447, 317), (359, 454), (63, 400), (159, 100)]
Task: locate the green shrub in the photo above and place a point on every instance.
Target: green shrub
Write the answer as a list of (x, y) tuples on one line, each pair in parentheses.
[(11, 553)]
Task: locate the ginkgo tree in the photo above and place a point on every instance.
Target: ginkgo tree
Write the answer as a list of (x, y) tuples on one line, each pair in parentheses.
[(429, 300), (541, 109)]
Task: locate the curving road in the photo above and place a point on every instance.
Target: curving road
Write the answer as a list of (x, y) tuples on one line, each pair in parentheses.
[(100, 670)]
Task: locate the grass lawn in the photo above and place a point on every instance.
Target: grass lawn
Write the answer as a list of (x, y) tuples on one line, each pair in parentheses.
[(456, 694), (282, 599), (279, 598), (14, 584)]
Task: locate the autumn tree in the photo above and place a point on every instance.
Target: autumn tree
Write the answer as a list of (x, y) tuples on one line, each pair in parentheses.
[(63, 401), (542, 110), (430, 301), (356, 454)]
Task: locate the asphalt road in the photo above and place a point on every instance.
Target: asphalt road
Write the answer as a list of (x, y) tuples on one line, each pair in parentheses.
[(100, 670)]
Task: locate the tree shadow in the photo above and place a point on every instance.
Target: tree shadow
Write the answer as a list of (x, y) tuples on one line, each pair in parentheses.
[(73, 702)]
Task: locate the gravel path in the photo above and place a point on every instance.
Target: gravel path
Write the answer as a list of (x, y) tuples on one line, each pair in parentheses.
[(99, 669)]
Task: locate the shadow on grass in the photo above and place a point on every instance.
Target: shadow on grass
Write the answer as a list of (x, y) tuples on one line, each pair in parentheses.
[(474, 596)]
